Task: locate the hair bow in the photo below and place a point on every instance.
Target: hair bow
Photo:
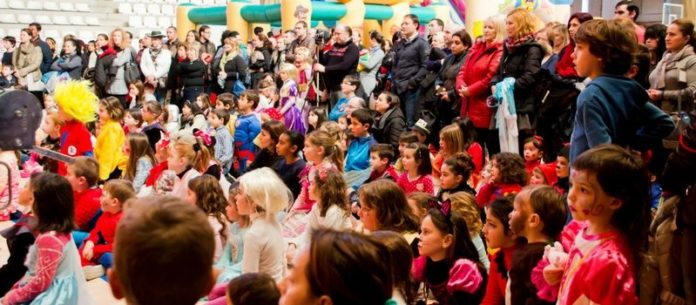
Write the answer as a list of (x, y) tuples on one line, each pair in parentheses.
[(444, 207), (204, 136), (164, 142), (539, 139)]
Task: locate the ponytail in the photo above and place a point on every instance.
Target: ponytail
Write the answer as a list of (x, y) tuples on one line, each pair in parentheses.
[(686, 27), (336, 155), (202, 156)]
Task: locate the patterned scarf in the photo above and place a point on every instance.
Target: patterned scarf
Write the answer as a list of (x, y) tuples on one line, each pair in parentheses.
[(513, 43)]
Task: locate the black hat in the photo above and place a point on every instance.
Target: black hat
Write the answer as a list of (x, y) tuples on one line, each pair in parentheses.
[(20, 116), (155, 34), (425, 122)]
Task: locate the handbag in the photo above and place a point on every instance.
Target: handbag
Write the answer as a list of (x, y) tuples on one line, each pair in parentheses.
[(131, 73), (238, 88)]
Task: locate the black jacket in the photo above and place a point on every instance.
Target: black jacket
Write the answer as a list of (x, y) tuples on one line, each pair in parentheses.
[(192, 74), (339, 61), (524, 64), (101, 73), (47, 54), (410, 63), (389, 130), (232, 68)]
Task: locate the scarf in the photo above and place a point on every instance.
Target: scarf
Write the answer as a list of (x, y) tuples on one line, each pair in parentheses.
[(668, 62), (154, 53), (107, 51), (513, 43), (226, 56), (565, 66)]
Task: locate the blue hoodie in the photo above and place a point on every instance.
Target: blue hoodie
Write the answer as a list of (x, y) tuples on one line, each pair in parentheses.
[(614, 109), (358, 157)]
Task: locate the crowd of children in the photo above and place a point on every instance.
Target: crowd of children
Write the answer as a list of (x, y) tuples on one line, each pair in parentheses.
[(242, 201)]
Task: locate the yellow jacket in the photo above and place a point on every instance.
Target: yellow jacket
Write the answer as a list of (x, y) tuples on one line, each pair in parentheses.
[(109, 148)]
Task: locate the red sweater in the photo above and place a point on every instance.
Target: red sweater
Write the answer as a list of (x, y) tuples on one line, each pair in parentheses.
[(420, 184), (86, 206), (104, 233), (496, 286), (75, 141)]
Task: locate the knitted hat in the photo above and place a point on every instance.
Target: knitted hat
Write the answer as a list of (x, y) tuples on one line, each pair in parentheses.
[(549, 172), (76, 99)]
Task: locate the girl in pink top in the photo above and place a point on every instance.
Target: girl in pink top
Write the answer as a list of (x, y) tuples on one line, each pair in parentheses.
[(417, 170), (609, 201)]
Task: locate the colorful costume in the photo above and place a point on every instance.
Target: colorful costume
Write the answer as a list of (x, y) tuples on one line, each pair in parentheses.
[(292, 112), (79, 102), (109, 148), (605, 260), (247, 128), (54, 276), (462, 282)]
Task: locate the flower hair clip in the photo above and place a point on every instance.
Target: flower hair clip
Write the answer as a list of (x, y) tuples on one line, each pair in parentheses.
[(323, 171), (539, 139)]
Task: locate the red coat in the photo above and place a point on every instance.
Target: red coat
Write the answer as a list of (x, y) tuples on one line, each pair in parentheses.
[(86, 207), (477, 71)]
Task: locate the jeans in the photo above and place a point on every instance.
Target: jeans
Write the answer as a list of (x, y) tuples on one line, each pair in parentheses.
[(190, 94), (409, 102), (79, 237)]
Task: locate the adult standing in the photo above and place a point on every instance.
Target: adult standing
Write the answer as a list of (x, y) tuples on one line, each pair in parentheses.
[(673, 82), (232, 65), (206, 52), (339, 60), (368, 75), (627, 9), (173, 42), (155, 63), (474, 77), (207, 46), (435, 26), (47, 54), (27, 60), (449, 102), (557, 112), (70, 60), (302, 38), (191, 71), (260, 58), (119, 45), (411, 54), (521, 60)]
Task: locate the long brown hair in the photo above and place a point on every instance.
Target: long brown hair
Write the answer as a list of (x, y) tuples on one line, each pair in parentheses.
[(211, 200), (139, 147), (342, 263), (332, 190), (393, 212)]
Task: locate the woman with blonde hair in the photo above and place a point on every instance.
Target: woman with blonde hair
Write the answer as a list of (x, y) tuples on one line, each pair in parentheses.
[(232, 65), (479, 67), (111, 66), (521, 60)]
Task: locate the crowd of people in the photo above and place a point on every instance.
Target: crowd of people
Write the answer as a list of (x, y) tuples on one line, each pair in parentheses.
[(311, 167)]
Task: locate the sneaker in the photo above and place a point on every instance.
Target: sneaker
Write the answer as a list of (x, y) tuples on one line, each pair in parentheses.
[(93, 272)]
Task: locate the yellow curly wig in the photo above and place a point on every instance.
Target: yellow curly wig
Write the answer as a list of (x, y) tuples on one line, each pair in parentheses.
[(77, 100)]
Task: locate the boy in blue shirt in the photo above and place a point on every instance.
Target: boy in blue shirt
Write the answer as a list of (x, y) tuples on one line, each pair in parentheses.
[(247, 128), (613, 108), (357, 168)]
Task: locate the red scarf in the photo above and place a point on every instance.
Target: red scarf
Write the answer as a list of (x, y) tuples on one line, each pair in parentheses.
[(107, 51), (513, 43), (565, 66)]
